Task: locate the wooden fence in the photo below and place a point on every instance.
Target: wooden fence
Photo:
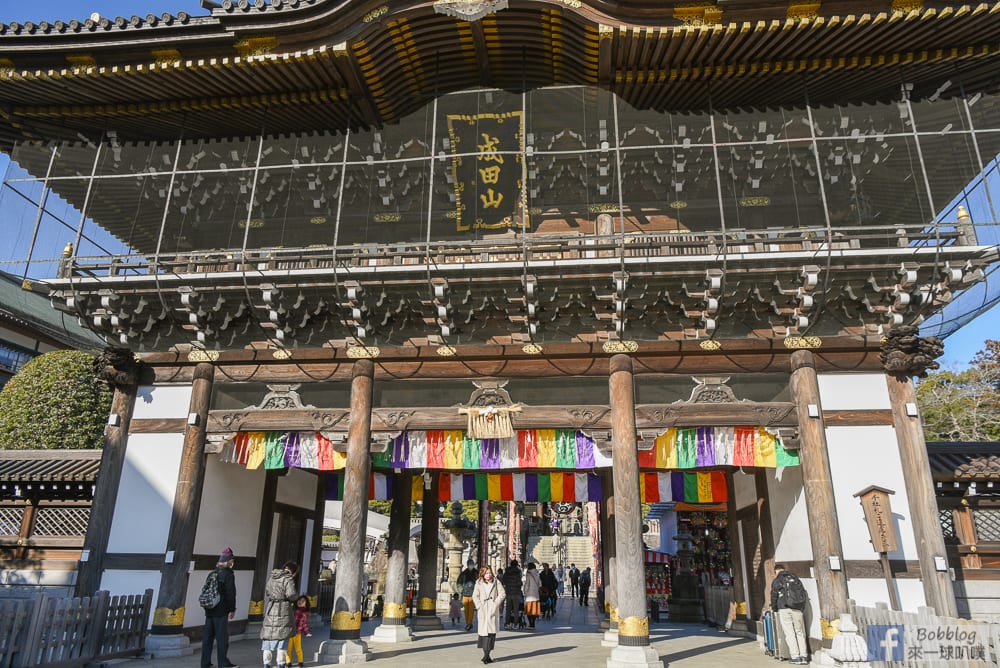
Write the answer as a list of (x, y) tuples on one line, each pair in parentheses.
[(50, 632), (925, 616)]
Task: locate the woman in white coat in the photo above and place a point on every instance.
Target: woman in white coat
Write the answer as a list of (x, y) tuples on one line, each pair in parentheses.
[(488, 597)]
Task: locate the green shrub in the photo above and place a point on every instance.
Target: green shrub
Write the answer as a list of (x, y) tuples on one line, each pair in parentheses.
[(54, 402)]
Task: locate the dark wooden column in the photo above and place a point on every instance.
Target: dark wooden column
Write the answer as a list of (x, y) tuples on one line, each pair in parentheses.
[(608, 547), (168, 617), (938, 589), (765, 530), (427, 574), (264, 531), (316, 547), (393, 627), (633, 624), (95, 545), (346, 621), (821, 506), (741, 623)]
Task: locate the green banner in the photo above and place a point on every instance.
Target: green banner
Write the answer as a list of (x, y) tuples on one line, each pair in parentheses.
[(486, 167)]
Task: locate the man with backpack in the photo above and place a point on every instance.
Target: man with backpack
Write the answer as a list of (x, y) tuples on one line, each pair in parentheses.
[(584, 583), (218, 598), (788, 600)]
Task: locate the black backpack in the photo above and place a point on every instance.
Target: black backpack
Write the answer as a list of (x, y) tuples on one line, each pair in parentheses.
[(210, 595), (792, 592)]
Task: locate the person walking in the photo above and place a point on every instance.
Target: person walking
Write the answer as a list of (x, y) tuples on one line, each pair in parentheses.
[(512, 589), (467, 584), (560, 579), (584, 583), (279, 621), (217, 617), (532, 594), (788, 600), (574, 581), (550, 586), (487, 597)]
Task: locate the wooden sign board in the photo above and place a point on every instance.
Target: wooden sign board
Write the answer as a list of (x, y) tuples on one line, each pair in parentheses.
[(878, 515)]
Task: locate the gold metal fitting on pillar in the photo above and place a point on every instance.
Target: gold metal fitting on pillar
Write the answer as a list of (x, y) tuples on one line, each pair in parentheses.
[(394, 611), (426, 603), (346, 621), (256, 608), (168, 617), (634, 626)]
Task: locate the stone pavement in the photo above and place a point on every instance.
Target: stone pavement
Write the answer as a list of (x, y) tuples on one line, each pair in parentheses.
[(570, 640)]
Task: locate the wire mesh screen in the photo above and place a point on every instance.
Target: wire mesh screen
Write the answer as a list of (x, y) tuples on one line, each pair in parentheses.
[(947, 520), (66, 521), (987, 521)]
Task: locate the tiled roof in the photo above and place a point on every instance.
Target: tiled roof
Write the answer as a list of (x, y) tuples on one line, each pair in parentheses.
[(964, 461), (49, 465), (34, 313)]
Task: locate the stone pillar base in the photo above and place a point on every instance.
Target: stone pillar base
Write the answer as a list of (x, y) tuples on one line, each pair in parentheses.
[(426, 623), (169, 646), (604, 624), (392, 633), (253, 628), (610, 638), (342, 651), (634, 657)]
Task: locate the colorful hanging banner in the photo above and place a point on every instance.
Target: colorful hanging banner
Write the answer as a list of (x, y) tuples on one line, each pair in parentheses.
[(454, 450), (700, 487), (544, 487)]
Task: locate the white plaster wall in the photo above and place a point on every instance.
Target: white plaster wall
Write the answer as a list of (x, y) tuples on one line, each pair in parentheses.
[(194, 614), (43, 577), (275, 520), (788, 514), (840, 391), (744, 490), (162, 401), (869, 591), (860, 457), (298, 489), (120, 583), (231, 500), (146, 494)]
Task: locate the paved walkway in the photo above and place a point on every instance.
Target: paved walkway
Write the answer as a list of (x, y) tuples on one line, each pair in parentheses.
[(570, 640)]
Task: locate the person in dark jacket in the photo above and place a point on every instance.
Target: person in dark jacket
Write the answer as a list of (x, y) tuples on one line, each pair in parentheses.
[(787, 601), (511, 582), (217, 618), (279, 614)]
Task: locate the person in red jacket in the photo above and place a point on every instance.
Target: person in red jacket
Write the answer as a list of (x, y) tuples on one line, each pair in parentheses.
[(301, 629)]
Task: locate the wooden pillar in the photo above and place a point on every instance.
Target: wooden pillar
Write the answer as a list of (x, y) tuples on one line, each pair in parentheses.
[(255, 611), (346, 621), (938, 589), (168, 617), (765, 529), (316, 547), (633, 625), (345, 644), (741, 623), (102, 511), (483, 551), (393, 627), (608, 547), (965, 531), (427, 573), (821, 506)]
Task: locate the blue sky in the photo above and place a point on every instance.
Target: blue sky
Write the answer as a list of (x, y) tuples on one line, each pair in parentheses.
[(959, 347)]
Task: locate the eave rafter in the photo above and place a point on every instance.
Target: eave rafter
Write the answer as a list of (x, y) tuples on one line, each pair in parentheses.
[(394, 58)]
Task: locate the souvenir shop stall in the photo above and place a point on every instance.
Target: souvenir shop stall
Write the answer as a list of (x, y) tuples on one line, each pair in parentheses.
[(658, 567)]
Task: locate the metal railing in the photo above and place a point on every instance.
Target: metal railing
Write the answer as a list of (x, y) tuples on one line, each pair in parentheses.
[(518, 249)]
